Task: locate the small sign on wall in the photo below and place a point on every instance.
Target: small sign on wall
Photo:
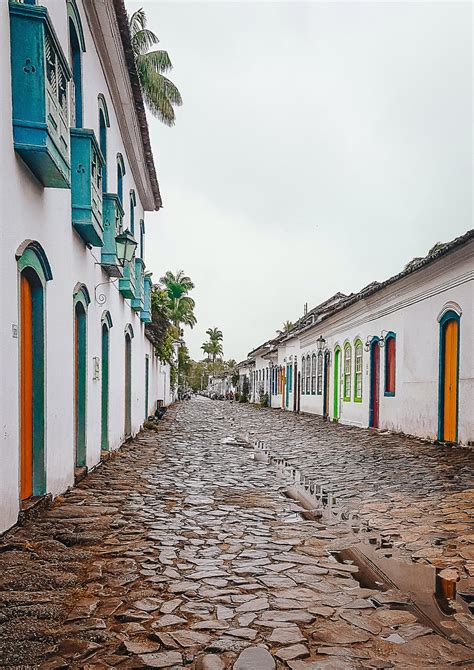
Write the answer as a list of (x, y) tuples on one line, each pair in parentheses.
[(15, 331), (96, 368)]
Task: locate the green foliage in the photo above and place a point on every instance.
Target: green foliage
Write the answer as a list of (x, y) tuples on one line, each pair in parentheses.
[(171, 307), (159, 93), (264, 399), (244, 396), (173, 375), (213, 348)]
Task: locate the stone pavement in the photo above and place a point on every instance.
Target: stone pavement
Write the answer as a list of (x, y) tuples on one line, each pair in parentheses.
[(418, 495), (181, 551)]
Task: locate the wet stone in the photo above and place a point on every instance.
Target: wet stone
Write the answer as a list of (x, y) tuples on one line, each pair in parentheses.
[(254, 658)]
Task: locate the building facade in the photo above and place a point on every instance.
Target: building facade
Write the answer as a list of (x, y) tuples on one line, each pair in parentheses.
[(78, 373), (396, 356)]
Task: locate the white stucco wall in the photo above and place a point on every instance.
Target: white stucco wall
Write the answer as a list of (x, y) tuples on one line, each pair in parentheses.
[(410, 308), (33, 212)]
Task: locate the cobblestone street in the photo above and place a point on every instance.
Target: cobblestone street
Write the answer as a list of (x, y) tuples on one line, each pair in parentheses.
[(181, 550)]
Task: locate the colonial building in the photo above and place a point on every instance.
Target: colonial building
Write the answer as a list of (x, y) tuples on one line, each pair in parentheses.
[(397, 355), (78, 373)]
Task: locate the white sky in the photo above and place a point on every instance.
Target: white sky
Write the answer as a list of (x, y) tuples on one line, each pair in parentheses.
[(320, 146)]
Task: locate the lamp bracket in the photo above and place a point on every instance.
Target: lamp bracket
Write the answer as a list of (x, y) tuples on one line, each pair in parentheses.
[(101, 298)]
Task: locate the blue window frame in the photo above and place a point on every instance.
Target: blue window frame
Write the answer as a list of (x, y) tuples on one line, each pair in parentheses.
[(390, 364)]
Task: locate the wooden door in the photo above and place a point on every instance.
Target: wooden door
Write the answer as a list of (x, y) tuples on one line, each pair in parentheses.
[(374, 385), (80, 334), (147, 382), (326, 385), (337, 360), (26, 386), (450, 380), (105, 389), (128, 385)]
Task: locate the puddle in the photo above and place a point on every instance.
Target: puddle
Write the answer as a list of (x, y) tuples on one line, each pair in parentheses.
[(430, 594), (415, 587)]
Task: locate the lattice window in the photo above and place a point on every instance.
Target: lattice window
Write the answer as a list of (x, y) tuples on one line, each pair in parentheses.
[(347, 371), (358, 371), (319, 375)]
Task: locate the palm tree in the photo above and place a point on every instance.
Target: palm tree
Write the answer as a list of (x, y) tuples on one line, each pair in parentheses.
[(177, 284), (215, 335), (206, 347), (160, 94), (216, 350), (287, 326), (181, 310)]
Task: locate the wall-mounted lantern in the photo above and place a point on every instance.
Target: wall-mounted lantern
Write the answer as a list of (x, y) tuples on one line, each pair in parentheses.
[(320, 342), (126, 246)]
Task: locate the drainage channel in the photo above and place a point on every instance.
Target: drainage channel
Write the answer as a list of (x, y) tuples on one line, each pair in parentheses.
[(436, 597)]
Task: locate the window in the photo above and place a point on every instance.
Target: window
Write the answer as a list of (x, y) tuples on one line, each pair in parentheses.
[(76, 85), (142, 239), (347, 371), (308, 374), (103, 125), (303, 375), (133, 202), (120, 176), (358, 372), (390, 341), (313, 374), (319, 374)]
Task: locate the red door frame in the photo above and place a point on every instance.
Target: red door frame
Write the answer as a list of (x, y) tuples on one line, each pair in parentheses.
[(374, 410)]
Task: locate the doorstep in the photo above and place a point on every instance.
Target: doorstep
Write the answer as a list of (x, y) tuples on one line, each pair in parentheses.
[(79, 474), (31, 507)]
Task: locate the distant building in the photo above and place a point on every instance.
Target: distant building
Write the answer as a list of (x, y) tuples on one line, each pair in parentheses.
[(79, 374), (398, 355)]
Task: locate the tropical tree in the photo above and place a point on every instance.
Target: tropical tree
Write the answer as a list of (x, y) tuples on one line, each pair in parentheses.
[(181, 306), (287, 326), (207, 348), (215, 335), (177, 284), (160, 94)]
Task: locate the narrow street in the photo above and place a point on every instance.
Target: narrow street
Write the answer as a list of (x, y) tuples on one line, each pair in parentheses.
[(181, 550)]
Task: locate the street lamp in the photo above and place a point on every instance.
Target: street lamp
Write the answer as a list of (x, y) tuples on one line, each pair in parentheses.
[(126, 246), (320, 342)]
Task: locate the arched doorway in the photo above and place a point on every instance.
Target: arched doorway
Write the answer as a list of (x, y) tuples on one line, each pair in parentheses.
[(128, 380), (34, 273), (448, 377), (337, 400), (374, 383), (80, 379), (104, 391), (326, 384)]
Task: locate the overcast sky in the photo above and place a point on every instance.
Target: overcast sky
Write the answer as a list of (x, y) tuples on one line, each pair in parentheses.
[(320, 146)]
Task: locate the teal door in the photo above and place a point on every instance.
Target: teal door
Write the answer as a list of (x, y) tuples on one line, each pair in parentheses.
[(288, 384), (337, 361), (128, 385), (104, 437), (80, 328), (147, 377)]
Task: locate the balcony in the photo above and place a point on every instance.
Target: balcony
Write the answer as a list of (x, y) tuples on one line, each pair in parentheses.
[(127, 282), (40, 75), (86, 185), (145, 314), (112, 226), (137, 301)]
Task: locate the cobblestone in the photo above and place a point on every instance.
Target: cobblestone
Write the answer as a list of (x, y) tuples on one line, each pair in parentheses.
[(181, 551)]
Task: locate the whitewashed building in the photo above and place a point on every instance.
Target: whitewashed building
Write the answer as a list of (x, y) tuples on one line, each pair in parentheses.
[(78, 374), (397, 355)]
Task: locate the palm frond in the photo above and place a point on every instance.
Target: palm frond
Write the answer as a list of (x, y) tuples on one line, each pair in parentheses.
[(159, 60), (142, 40), (137, 21)]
